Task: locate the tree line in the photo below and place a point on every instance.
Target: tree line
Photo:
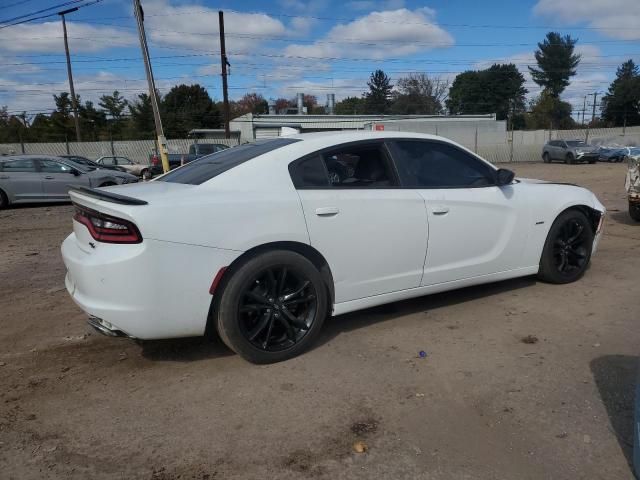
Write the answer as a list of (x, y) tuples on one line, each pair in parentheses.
[(499, 89)]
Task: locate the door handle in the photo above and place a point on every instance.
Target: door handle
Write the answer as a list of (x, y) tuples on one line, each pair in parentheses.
[(440, 209), (327, 211), (48, 177)]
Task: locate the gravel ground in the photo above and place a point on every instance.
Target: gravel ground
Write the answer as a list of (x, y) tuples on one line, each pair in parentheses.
[(521, 379)]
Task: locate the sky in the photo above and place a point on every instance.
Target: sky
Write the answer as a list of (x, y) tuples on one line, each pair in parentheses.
[(281, 47)]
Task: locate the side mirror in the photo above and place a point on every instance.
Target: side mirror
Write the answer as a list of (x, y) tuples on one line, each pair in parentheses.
[(504, 176), (75, 172)]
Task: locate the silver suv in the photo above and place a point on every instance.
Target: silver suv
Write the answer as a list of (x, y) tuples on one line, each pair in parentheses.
[(569, 151), (42, 178)]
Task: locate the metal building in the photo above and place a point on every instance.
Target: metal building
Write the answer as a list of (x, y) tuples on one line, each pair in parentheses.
[(253, 126)]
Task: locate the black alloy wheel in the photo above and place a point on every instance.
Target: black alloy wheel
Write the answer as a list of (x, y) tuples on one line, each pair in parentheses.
[(567, 250), (569, 247), (277, 309), (272, 306), (4, 202)]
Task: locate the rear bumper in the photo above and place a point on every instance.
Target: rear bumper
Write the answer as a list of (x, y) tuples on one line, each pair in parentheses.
[(149, 291)]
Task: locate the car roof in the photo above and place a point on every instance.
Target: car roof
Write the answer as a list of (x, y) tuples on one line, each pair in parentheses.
[(31, 156), (328, 139)]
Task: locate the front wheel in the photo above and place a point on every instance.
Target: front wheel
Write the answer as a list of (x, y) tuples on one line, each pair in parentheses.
[(4, 201), (272, 308), (569, 159), (567, 250), (545, 157), (634, 211)]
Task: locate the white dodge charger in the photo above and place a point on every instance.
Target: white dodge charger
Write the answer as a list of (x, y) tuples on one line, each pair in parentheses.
[(260, 242)]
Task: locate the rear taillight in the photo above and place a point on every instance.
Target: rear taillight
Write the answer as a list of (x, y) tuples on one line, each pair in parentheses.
[(107, 229), (154, 160)]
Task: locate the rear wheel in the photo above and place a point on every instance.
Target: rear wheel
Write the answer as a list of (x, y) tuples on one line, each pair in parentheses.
[(545, 157), (272, 307), (567, 250), (4, 201), (146, 174), (634, 211)]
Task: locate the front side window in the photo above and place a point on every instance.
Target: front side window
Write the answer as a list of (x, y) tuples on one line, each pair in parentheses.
[(424, 164), (49, 166), (20, 165)]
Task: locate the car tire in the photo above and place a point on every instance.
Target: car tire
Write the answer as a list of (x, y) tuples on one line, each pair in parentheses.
[(546, 158), (634, 211), (146, 174), (569, 159), (4, 200), (253, 319), (567, 250), (591, 162), (107, 184)]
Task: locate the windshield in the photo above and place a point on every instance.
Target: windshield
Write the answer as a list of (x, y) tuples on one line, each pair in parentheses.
[(576, 143), (206, 168), (76, 165)]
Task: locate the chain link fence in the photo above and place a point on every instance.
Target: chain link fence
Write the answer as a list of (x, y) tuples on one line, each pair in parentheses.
[(517, 146), (139, 151)]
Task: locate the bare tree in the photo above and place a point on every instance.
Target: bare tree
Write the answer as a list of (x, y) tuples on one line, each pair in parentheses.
[(418, 93)]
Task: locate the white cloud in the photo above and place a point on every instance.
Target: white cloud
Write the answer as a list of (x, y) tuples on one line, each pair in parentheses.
[(343, 87), (379, 35), (38, 96), (47, 38), (618, 18), (196, 27)]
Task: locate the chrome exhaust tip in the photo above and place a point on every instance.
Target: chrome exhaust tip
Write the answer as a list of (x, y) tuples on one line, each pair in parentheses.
[(105, 328)]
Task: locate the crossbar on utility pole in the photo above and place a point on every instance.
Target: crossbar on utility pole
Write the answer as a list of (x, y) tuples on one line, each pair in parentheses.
[(74, 100), (224, 62), (162, 142)]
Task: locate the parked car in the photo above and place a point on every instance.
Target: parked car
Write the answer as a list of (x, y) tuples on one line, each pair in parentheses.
[(266, 245), (611, 154), (90, 164), (196, 150), (569, 151), (632, 182), (41, 178), (124, 163)]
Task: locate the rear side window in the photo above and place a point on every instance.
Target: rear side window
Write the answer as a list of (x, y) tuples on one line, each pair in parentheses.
[(20, 165), (361, 165), (309, 172), (206, 168)]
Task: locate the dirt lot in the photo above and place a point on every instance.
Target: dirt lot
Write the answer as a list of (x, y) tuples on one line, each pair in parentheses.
[(483, 404)]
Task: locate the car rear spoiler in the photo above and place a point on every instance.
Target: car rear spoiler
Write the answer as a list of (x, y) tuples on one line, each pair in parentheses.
[(109, 196)]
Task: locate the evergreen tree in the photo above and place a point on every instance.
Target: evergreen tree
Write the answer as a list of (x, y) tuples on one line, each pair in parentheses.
[(621, 104), (378, 98)]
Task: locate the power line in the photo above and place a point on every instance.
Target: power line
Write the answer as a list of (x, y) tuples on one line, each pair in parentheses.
[(72, 2), (21, 2), (373, 20)]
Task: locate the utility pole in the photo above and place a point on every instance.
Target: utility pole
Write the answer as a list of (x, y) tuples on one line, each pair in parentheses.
[(224, 62), (162, 142), (584, 109), (593, 117), (74, 100)]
